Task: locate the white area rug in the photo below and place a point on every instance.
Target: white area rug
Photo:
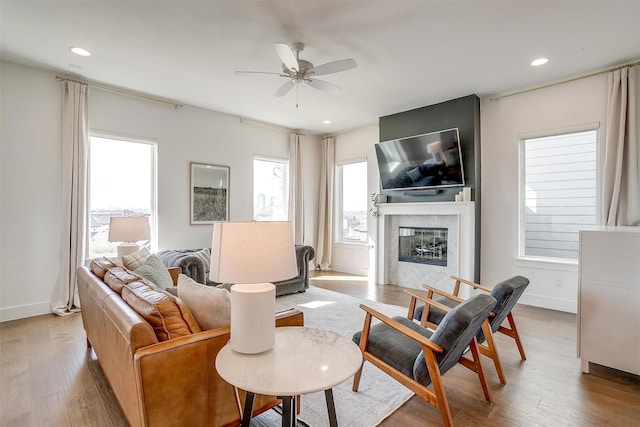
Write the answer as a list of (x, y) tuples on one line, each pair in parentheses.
[(378, 394)]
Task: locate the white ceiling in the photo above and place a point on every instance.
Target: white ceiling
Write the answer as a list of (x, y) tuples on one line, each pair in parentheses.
[(409, 53)]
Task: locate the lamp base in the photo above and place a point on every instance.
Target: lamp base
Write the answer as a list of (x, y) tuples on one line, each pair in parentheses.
[(253, 324), (127, 248)]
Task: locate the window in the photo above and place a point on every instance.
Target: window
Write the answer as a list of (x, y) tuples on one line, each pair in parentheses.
[(559, 194), (352, 205), (121, 182), (270, 189)]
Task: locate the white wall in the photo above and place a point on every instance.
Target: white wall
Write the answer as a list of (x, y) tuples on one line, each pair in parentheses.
[(31, 174), (357, 145), (561, 107), (30, 190)]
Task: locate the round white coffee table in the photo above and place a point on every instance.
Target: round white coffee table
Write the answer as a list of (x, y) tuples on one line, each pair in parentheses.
[(303, 360)]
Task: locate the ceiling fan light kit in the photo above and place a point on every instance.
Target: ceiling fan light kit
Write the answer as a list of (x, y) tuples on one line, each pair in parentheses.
[(298, 70)]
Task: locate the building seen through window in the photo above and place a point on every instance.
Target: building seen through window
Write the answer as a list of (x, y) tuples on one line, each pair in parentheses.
[(270, 189), (121, 183), (352, 178), (559, 194)]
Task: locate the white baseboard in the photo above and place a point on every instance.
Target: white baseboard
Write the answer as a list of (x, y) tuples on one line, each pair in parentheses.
[(350, 270), (23, 311), (542, 301)]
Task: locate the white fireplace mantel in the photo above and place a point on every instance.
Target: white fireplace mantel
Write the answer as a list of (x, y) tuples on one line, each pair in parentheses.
[(465, 220)]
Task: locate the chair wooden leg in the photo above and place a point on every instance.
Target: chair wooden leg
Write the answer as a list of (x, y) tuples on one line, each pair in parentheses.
[(473, 346), (490, 350), (516, 336), (356, 378), (513, 333), (364, 341), (438, 387)]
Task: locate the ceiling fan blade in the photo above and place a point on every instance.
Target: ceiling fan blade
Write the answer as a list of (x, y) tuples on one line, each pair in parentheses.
[(323, 86), (241, 73), (334, 67), (285, 88), (287, 56)]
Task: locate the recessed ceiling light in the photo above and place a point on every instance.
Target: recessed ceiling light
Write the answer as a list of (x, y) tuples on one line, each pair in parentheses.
[(326, 122), (538, 62), (80, 51)]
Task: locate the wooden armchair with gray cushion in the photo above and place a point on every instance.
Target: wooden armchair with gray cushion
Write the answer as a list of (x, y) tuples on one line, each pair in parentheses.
[(507, 293), (417, 357)]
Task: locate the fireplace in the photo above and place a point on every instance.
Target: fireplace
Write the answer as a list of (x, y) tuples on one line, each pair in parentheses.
[(457, 218), (423, 245)]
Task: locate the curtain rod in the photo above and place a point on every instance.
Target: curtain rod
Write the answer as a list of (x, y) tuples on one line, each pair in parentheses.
[(344, 132), (267, 125), (561, 82), (122, 92)]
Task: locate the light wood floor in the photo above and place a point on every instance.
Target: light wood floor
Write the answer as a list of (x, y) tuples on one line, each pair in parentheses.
[(48, 378)]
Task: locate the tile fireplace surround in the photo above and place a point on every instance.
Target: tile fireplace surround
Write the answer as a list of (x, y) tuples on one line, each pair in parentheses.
[(457, 217)]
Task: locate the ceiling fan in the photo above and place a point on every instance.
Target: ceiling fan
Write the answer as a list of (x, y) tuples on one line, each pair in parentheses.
[(297, 70)]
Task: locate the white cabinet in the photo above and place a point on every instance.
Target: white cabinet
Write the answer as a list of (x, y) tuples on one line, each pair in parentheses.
[(609, 298)]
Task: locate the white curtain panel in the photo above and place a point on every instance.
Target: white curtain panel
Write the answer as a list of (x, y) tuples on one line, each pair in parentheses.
[(75, 144), (621, 181), (325, 211), (296, 201)]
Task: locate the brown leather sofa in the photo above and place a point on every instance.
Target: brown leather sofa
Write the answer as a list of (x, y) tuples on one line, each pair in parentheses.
[(168, 383)]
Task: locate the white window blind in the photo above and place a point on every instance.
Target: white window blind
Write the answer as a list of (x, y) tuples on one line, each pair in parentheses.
[(559, 193)]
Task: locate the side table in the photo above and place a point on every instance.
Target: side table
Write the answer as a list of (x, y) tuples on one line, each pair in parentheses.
[(303, 360)]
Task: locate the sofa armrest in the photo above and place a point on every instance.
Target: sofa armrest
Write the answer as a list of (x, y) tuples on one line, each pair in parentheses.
[(190, 265), (290, 317), (178, 384), (304, 255), (174, 272)]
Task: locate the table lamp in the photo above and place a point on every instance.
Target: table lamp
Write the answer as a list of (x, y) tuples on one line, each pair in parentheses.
[(128, 230), (251, 255)]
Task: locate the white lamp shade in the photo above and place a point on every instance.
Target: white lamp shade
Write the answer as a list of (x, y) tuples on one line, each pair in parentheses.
[(252, 252), (129, 228)]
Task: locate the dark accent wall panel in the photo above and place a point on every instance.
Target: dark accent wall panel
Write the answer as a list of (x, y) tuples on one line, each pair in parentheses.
[(462, 113)]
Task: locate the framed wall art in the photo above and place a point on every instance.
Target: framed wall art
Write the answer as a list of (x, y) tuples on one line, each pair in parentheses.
[(209, 189)]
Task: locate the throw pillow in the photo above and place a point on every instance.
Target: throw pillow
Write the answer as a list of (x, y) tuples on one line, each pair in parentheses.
[(414, 174), (169, 317), (136, 259), (210, 306), (155, 271)]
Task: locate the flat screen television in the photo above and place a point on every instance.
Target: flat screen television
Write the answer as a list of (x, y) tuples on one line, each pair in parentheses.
[(430, 160)]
